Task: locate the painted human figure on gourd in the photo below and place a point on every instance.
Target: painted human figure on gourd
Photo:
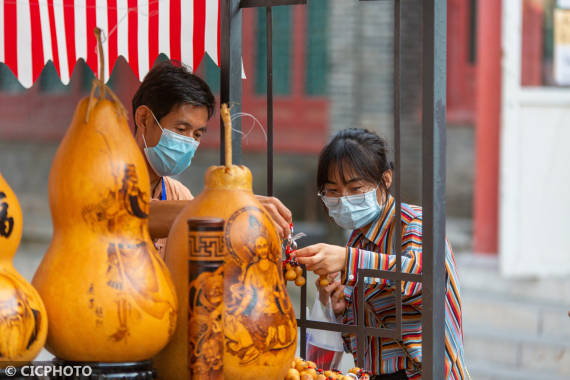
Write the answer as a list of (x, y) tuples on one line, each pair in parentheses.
[(206, 324), (258, 296)]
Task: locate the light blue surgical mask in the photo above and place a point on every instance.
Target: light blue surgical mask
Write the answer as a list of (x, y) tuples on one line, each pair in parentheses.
[(173, 153), (353, 211)]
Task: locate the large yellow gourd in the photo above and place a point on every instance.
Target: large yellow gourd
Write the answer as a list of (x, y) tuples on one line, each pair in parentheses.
[(23, 318), (108, 294), (259, 325)]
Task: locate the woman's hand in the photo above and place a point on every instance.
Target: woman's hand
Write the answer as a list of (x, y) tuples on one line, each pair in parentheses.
[(325, 292), (322, 258), (333, 291), (280, 214), (338, 301)]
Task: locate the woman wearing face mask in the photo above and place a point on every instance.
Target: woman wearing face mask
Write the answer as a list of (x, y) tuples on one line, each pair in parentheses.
[(171, 108), (354, 175)]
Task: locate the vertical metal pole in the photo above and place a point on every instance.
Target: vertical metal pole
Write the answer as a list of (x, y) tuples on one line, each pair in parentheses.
[(303, 319), (361, 338), (398, 166), (230, 72), (269, 23), (433, 192)]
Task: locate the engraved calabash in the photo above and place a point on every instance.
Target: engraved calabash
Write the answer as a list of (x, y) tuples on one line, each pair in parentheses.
[(259, 325), (23, 318), (108, 295)]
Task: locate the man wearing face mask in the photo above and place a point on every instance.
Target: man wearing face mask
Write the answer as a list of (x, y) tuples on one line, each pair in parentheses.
[(170, 112)]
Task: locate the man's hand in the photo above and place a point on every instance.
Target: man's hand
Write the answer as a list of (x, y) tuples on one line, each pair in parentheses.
[(280, 214), (322, 258), (162, 215)]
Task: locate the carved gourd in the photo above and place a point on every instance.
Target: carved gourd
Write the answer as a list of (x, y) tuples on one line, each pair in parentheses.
[(259, 325), (108, 294), (23, 318)]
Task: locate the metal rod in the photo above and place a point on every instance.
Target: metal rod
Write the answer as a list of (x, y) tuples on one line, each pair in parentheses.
[(269, 23), (377, 273), (398, 168), (269, 3), (361, 325), (224, 68), (351, 329), (303, 320), (230, 72), (235, 77), (433, 188)]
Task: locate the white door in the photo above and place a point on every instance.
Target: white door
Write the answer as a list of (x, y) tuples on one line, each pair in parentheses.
[(535, 165)]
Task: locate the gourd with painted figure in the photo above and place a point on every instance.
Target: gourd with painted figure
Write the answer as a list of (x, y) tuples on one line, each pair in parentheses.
[(108, 294), (259, 325), (23, 318)]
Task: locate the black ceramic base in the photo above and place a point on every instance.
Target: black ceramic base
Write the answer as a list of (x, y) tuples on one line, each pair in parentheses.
[(106, 371)]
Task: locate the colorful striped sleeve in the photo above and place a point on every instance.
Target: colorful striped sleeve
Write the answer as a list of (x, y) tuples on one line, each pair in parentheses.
[(357, 258)]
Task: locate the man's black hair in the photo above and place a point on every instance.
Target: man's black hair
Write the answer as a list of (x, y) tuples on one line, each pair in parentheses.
[(169, 84)]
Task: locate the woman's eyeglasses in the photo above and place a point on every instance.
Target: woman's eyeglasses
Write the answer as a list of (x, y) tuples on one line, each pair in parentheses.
[(332, 199)]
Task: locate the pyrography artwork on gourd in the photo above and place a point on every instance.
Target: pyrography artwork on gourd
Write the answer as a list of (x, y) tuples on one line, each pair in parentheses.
[(23, 318), (255, 322), (259, 326), (108, 294), (205, 298)]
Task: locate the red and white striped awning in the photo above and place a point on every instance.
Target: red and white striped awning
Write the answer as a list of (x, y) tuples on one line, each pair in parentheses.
[(32, 32)]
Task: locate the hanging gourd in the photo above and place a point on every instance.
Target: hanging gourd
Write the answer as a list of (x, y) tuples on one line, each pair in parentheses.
[(23, 318), (108, 295), (259, 326)]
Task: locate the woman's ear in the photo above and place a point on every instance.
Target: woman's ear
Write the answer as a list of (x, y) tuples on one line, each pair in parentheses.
[(141, 117), (387, 178)]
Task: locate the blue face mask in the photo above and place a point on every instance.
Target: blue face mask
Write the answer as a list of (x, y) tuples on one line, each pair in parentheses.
[(353, 211), (173, 153)]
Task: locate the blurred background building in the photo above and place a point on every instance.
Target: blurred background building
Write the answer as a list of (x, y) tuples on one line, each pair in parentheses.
[(508, 107)]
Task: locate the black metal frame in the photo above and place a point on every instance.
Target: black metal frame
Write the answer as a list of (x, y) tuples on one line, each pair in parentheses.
[(433, 178)]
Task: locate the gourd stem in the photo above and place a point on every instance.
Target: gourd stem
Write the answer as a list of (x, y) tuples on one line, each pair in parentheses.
[(92, 100), (97, 32), (225, 112), (100, 82)]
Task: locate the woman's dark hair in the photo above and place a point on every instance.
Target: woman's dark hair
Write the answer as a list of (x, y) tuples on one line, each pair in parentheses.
[(357, 150), (169, 84)]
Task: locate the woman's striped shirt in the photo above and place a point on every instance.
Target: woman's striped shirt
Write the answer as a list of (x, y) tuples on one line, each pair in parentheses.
[(374, 250)]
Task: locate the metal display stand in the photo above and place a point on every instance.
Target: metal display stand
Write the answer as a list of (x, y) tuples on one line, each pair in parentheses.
[(433, 172)]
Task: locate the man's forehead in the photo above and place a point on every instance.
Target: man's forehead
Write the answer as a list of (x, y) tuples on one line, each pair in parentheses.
[(187, 108), (189, 114)]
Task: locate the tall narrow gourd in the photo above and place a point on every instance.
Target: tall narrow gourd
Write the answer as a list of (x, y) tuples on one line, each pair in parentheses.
[(23, 318), (108, 294), (259, 327)]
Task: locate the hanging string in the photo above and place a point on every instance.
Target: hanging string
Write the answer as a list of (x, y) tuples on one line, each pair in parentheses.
[(255, 122)]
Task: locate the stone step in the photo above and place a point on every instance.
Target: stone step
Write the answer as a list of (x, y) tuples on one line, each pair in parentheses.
[(482, 370), (481, 273), (512, 350), (529, 317)]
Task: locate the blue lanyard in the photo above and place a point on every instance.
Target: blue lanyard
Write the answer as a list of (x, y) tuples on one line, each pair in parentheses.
[(163, 194)]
